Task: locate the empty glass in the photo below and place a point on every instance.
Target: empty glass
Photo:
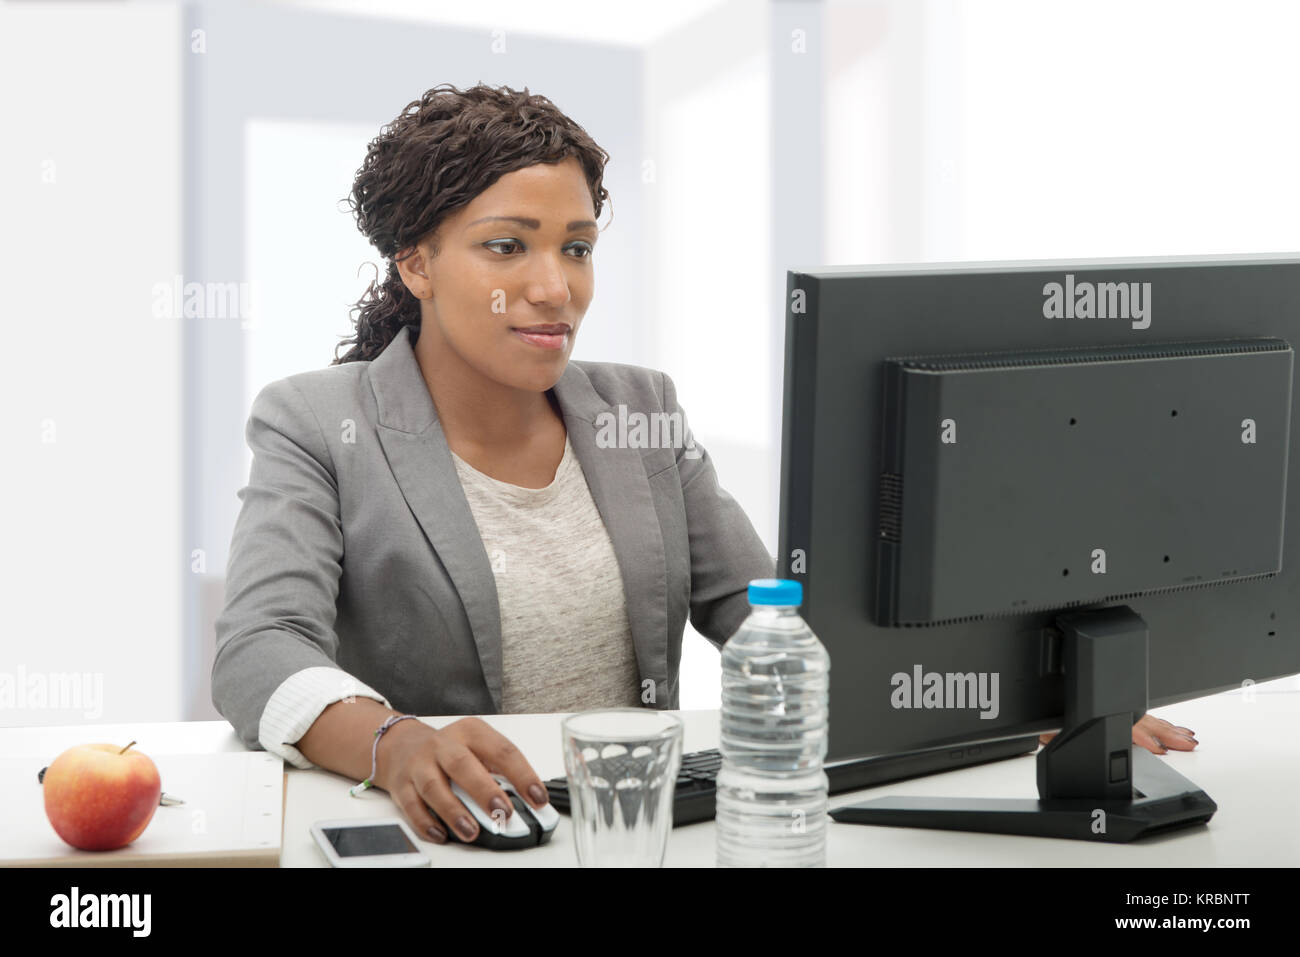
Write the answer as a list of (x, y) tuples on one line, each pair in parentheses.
[(622, 765)]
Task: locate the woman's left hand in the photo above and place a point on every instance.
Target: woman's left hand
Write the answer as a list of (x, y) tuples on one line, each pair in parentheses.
[(1155, 734), (1158, 735)]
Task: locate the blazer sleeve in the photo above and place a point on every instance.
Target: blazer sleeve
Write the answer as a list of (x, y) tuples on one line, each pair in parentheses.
[(726, 552), (282, 576)]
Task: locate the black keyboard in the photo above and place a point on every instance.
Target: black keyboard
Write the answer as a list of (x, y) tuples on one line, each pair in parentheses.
[(697, 780)]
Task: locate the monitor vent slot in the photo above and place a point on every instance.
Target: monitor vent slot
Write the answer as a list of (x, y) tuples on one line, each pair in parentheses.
[(891, 507)]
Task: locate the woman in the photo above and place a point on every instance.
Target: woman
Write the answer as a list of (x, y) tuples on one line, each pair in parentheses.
[(444, 520)]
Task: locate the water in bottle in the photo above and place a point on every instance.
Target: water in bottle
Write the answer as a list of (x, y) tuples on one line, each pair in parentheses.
[(771, 797)]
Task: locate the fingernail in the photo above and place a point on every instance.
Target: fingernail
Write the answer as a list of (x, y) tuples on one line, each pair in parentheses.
[(498, 804), (538, 794), (465, 828), (437, 834)]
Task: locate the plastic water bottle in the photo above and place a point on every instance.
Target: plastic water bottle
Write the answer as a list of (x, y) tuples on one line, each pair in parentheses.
[(771, 798)]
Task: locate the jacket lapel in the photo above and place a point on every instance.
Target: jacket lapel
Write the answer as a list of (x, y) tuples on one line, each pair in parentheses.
[(417, 452), (621, 490)]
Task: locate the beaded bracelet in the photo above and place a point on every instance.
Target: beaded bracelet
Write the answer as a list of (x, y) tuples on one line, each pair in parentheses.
[(369, 782)]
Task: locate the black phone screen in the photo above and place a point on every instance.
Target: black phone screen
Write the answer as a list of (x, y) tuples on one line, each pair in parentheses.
[(365, 841)]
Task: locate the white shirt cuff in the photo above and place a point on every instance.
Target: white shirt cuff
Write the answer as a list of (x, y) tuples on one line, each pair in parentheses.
[(299, 701)]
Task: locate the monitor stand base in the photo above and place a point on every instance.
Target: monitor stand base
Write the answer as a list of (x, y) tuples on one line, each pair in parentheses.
[(1092, 785), (1165, 801)]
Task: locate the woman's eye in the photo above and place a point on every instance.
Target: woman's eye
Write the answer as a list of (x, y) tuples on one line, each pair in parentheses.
[(496, 245)]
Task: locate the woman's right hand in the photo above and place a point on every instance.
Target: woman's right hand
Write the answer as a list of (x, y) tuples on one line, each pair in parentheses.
[(417, 763)]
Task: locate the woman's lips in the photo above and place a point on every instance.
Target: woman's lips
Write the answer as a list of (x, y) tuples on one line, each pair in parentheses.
[(543, 340)]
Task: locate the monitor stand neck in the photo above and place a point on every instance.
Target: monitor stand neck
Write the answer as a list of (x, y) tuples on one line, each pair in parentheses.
[(1092, 785)]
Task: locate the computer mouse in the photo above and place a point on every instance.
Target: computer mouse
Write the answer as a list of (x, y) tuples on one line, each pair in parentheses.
[(526, 827)]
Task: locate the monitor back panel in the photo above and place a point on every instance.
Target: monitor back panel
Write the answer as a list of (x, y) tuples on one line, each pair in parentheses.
[(842, 326)]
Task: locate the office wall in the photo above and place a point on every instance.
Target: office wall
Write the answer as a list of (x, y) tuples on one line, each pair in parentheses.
[(706, 178), (1017, 129), (91, 387), (1174, 134)]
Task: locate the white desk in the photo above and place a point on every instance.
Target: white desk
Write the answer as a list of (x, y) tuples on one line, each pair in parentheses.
[(1248, 761)]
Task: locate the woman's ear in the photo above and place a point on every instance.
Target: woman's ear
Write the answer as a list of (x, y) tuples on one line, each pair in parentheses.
[(414, 272), (414, 268)]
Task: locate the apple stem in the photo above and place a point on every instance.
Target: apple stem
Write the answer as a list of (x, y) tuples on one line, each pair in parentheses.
[(123, 751)]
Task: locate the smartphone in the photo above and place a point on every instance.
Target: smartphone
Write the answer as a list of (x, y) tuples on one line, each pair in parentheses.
[(380, 842)]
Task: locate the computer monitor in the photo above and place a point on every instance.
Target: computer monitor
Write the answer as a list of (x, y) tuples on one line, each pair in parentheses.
[(1038, 495)]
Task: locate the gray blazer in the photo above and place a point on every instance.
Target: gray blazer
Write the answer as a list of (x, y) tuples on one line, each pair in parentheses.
[(355, 547)]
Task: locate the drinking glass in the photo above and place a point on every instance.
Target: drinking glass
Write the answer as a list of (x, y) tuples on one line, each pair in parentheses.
[(622, 765)]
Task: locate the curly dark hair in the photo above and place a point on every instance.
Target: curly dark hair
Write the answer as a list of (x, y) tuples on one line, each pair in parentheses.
[(440, 152)]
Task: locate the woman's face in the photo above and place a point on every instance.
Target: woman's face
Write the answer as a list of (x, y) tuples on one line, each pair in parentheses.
[(513, 277)]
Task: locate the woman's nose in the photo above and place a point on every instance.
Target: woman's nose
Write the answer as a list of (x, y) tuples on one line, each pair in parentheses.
[(548, 285)]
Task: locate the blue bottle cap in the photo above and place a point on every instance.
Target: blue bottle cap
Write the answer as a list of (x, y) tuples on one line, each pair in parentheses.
[(775, 591)]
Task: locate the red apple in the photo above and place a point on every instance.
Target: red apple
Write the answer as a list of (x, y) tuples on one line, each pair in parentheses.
[(100, 796)]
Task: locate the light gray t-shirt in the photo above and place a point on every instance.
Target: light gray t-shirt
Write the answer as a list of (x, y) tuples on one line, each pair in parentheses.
[(566, 644)]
